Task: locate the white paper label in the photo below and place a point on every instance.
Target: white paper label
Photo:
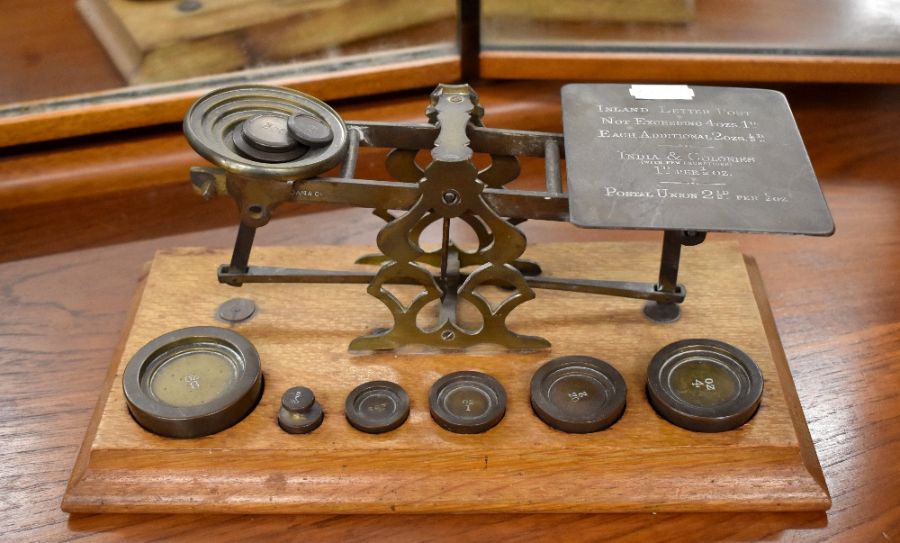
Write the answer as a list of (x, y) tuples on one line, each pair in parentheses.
[(661, 92)]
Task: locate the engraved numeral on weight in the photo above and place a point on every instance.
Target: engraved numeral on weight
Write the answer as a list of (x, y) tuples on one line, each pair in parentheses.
[(192, 381), (269, 125), (707, 383), (576, 396)]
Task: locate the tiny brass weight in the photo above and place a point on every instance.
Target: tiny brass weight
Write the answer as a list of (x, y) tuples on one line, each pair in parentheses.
[(236, 310), (300, 413)]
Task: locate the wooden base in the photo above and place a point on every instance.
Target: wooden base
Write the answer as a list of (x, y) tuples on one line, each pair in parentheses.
[(642, 463)]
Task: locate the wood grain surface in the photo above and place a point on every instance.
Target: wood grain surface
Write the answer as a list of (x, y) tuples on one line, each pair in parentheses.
[(522, 465), (70, 269)]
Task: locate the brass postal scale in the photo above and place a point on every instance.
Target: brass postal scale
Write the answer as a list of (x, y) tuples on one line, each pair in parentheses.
[(636, 379)]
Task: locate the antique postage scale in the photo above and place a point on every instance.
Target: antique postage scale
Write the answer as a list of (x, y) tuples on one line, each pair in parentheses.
[(613, 390)]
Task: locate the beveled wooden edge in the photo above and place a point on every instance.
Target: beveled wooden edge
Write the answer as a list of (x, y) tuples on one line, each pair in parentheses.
[(82, 461), (801, 428), (187, 489), (92, 114), (613, 66)]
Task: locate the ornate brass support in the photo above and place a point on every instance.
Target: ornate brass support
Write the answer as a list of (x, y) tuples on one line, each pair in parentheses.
[(450, 189)]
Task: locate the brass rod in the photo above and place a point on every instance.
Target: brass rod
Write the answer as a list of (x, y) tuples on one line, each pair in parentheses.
[(671, 255), (624, 289), (242, 245), (551, 167), (445, 253), (348, 168), (500, 141)]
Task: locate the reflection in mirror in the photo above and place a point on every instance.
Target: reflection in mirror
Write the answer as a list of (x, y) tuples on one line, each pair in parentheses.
[(61, 47), (784, 27), (164, 40)]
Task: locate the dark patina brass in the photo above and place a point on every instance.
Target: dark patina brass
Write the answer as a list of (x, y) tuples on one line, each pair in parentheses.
[(309, 130), (578, 394), (449, 188), (211, 121), (265, 138), (236, 310), (467, 402), (704, 385), (300, 413), (193, 382), (377, 407)]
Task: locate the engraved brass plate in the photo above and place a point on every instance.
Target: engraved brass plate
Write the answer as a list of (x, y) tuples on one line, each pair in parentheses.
[(726, 159)]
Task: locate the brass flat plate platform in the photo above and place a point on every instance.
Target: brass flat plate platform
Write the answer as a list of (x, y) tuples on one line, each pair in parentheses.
[(690, 158), (640, 463)]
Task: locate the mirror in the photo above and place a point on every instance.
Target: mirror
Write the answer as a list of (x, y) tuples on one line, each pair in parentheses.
[(76, 54), (783, 27), (852, 41)]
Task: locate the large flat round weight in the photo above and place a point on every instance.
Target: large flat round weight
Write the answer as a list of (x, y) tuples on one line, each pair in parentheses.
[(578, 394), (193, 382), (467, 402), (704, 385)]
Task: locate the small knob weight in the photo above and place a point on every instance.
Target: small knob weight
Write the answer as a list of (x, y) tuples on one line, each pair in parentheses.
[(300, 413)]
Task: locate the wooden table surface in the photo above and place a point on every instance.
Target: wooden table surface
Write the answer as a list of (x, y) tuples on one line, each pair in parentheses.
[(69, 270)]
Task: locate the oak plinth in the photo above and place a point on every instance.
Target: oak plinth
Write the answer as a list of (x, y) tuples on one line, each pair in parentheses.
[(641, 463)]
